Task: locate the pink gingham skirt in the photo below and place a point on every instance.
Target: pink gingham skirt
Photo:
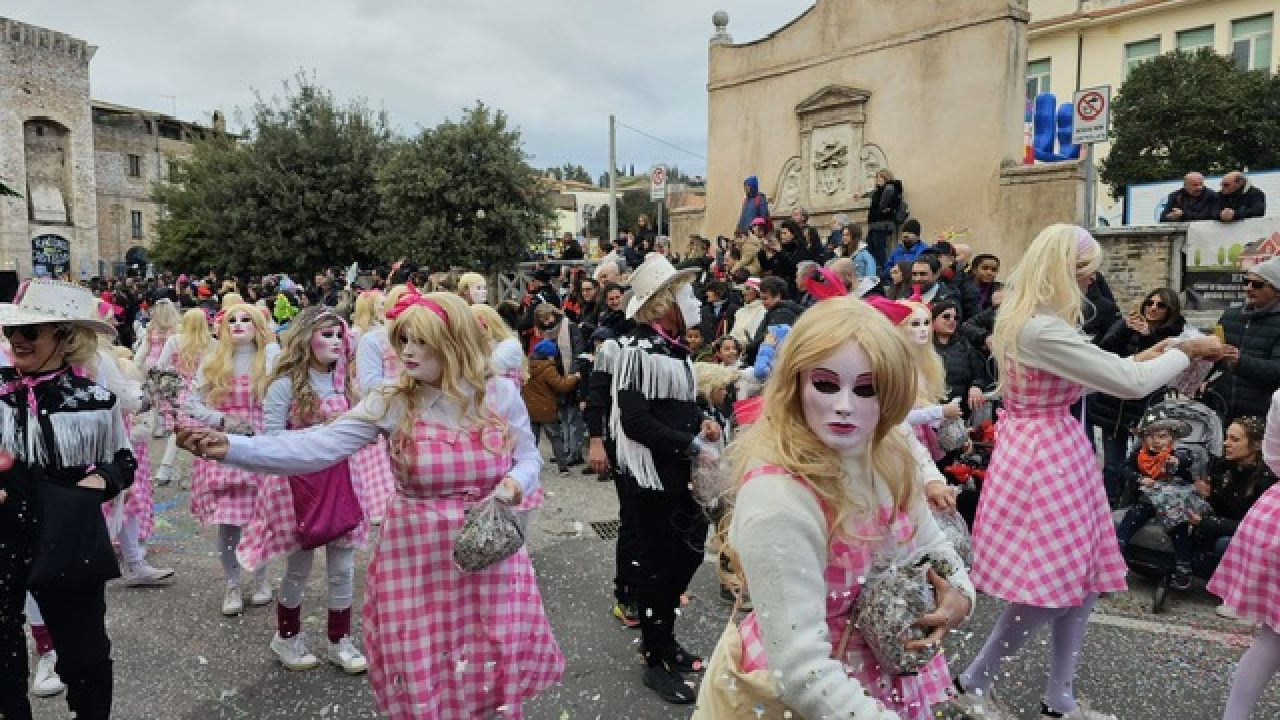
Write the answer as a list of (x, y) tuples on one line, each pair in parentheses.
[(374, 482), (1248, 578), (139, 502), (1043, 535), (221, 494)]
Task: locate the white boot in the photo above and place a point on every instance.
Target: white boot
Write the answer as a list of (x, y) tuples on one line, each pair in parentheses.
[(232, 600), (292, 652), (345, 655), (261, 588), (47, 682)]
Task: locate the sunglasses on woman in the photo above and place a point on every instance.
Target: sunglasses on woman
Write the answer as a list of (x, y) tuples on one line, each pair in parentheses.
[(1155, 303), (1255, 284), (28, 332)]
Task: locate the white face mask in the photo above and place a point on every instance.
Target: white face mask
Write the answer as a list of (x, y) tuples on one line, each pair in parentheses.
[(420, 362), (479, 294), (326, 344), (919, 327), (839, 399), (690, 308), (240, 326)]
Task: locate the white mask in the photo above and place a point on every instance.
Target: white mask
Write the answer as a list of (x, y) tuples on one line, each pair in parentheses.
[(919, 327), (326, 344), (240, 326), (420, 362), (479, 294), (690, 308), (839, 400)]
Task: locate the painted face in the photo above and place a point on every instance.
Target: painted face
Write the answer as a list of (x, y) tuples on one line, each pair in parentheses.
[(326, 344), (839, 399), (240, 325), (420, 362), (479, 294), (690, 308), (919, 327)]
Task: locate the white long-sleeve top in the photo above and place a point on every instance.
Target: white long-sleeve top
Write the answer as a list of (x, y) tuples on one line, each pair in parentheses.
[(314, 449), (242, 364), (1271, 441), (507, 357), (279, 398), (369, 360), (780, 534), (1048, 343), (128, 392)]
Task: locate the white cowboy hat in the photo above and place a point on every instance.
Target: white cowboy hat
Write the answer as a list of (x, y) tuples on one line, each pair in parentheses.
[(651, 277), (41, 300)]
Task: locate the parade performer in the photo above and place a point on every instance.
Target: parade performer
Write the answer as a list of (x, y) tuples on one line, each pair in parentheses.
[(309, 387), (66, 451), (182, 354), (1043, 539), (473, 288), (45, 683), (826, 493), (366, 316), (227, 394), (507, 359), (931, 387), (163, 325), (375, 364), (1248, 581), (441, 643), (376, 361)]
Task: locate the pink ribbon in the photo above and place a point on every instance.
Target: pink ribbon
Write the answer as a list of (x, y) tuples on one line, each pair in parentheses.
[(413, 298)]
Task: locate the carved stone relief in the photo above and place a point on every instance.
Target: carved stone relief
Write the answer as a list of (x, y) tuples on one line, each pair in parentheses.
[(873, 160), (790, 187)]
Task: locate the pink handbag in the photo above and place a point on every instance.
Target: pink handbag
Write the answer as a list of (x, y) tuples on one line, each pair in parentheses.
[(325, 505)]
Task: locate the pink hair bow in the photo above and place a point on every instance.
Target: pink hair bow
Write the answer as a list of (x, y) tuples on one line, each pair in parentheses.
[(823, 284), (895, 311), (412, 298)]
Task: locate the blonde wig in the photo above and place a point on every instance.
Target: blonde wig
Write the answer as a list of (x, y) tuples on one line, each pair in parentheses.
[(932, 387), (219, 369), (497, 330), (393, 297), (661, 302), (164, 320), (194, 339), (80, 346), (463, 350), (366, 315), (294, 363), (783, 437), (231, 298), (467, 281), (710, 377), (1043, 281)]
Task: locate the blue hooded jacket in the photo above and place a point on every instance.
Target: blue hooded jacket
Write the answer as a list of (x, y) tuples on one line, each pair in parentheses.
[(754, 205)]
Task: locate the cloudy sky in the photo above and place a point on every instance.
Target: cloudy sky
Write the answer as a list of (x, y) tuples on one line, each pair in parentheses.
[(557, 67)]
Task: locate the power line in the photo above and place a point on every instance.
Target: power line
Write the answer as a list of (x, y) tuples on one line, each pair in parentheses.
[(655, 138)]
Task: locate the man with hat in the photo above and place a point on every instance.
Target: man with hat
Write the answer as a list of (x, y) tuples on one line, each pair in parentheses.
[(909, 249), (644, 421), (1250, 364)]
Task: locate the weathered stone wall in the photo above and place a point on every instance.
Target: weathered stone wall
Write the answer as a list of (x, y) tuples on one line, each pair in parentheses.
[(45, 75), (683, 222), (1137, 260)]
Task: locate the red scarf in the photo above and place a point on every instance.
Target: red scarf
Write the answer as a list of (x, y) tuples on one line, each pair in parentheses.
[(1154, 465)]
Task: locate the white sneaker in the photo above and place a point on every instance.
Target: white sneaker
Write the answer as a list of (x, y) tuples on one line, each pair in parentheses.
[(47, 682), (164, 476), (232, 600), (979, 705), (261, 590), (345, 655), (293, 652), (1082, 712), (141, 574), (1226, 612)]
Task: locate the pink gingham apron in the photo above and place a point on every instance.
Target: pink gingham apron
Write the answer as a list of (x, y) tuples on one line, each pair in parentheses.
[(1043, 535), (221, 494), (1248, 578), (847, 566), (138, 502), (273, 529), (444, 644)]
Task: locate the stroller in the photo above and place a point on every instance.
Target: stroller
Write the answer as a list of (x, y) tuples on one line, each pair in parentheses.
[(1150, 552)]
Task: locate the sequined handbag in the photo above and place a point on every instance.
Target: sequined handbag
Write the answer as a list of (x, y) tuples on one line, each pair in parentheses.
[(490, 534)]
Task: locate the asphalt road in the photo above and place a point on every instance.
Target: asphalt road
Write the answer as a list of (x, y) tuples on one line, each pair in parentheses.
[(177, 658)]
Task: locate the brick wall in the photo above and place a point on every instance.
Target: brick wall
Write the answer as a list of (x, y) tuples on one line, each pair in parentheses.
[(1137, 260)]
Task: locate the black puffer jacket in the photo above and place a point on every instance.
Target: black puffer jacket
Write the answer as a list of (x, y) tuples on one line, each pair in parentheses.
[(965, 367), (1114, 415), (1247, 389), (1234, 489)]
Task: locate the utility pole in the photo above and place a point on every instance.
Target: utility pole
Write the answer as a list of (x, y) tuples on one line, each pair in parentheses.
[(613, 180)]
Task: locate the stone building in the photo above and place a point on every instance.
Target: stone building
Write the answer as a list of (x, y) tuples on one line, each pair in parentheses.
[(85, 169)]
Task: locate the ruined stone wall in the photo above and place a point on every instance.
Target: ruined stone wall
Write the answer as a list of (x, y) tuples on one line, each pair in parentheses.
[(120, 194)]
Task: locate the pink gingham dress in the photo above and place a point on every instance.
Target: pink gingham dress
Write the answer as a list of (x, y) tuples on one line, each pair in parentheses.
[(1043, 535), (444, 644), (138, 501), (221, 494), (374, 481), (1248, 578), (847, 566), (272, 531)]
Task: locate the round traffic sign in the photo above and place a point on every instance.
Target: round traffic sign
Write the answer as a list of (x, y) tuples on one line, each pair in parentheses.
[(659, 175), (1091, 105)]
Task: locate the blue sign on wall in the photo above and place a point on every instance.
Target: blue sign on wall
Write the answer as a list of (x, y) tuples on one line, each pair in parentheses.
[(50, 255)]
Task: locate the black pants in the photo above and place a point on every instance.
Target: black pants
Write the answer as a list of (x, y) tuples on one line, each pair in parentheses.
[(878, 236), (76, 622), (670, 535), (626, 551)]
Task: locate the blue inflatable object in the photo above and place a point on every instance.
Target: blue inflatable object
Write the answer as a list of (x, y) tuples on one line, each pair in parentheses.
[(1052, 127)]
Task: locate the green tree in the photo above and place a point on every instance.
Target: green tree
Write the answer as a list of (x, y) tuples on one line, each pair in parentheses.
[(296, 194), (1180, 112), (1222, 256), (462, 194), (570, 171), (1234, 253), (631, 205)]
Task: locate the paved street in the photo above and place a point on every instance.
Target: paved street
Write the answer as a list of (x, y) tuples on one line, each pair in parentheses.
[(176, 657)]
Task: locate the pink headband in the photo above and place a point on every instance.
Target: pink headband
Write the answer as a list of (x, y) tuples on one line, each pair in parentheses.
[(412, 298)]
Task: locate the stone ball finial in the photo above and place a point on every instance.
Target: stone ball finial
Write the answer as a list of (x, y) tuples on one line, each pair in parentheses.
[(721, 20)]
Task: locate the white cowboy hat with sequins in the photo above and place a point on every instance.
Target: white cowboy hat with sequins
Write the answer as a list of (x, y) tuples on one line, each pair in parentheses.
[(653, 275), (41, 300)]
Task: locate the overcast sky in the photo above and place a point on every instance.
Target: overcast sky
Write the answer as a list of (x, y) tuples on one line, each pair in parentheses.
[(557, 67)]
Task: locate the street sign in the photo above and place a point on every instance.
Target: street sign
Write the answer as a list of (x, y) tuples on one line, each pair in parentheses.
[(1092, 115), (658, 182)]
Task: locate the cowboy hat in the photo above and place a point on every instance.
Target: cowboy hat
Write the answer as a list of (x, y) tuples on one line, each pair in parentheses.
[(42, 300), (655, 274)]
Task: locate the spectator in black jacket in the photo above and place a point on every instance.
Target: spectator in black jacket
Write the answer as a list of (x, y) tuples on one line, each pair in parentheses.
[(1236, 481), (977, 330), (1159, 318), (778, 311), (1250, 362), (882, 216), (717, 312), (924, 274), (965, 367), (979, 286), (612, 315), (1239, 199), (1193, 201), (1101, 311), (776, 262)]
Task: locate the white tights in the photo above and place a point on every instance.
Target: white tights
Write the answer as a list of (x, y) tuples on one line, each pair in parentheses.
[(340, 566), (1256, 668)]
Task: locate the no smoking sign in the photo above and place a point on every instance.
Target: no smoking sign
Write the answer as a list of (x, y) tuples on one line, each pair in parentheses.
[(1092, 115)]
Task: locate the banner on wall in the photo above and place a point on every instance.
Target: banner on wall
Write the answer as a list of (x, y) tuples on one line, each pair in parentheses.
[(1219, 254), (1144, 202)]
